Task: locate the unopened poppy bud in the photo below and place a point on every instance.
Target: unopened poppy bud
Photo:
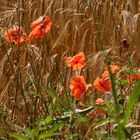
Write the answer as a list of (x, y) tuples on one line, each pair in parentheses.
[(124, 43)]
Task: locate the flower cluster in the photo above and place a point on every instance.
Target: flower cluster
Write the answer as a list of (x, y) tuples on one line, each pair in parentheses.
[(16, 34), (77, 83), (102, 83)]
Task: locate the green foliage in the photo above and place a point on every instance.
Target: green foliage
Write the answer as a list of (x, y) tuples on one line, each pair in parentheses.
[(2, 138), (44, 129), (131, 102)]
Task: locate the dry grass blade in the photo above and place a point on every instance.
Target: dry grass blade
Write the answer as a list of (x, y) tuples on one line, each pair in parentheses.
[(62, 36), (136, 136), (97, 58)]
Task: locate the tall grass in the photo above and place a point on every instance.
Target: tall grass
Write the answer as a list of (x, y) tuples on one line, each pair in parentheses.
[(34, 80)]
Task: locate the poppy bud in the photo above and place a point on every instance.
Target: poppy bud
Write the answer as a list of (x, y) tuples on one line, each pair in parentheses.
[(124, 43)]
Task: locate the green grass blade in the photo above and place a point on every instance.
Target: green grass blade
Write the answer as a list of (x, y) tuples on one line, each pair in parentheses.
[(131, 102), (18, 136), (2, 138)]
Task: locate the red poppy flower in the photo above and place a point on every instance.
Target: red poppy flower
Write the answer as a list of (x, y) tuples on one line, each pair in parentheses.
[(76, 62), (77, 86), (15, 34), (97, 112), (134, 76), (102, 84), (105, 74), (113, 68), (41, 26)]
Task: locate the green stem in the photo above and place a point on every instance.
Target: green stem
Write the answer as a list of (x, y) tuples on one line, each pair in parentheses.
[(114, 94)]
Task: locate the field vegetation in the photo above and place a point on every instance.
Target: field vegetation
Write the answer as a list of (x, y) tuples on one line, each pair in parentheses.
[(69, 69)]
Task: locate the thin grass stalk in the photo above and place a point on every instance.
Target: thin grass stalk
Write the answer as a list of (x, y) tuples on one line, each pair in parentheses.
[(18, 18), (11, 65), (120, 132), (38, 91), (26, 106), (65, 91)]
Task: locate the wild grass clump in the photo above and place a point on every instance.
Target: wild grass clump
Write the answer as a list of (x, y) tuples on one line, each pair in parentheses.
[(69, 69)]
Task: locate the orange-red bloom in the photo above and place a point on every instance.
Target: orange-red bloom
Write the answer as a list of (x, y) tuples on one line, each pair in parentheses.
[(41, 26), (102, 84), (76, 62), (97, 112), (77, 86), (15, 34), (134, 76), (113, 68), (105, 74)]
